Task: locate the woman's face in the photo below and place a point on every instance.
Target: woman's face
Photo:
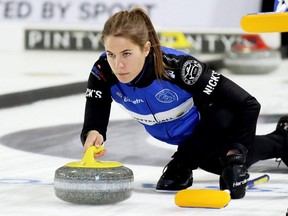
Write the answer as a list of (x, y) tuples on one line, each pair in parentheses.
[(125, 57)]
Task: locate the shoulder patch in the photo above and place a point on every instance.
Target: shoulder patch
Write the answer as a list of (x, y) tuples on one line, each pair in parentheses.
[(191, 71)]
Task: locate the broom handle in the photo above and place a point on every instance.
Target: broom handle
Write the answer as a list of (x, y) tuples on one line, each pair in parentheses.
[(259, 180)]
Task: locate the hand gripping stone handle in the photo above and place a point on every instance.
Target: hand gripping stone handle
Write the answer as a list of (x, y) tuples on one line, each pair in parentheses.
[(89, 154)]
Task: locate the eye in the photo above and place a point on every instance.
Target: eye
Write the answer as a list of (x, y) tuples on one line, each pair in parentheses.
[(111, 55), (126, 54)]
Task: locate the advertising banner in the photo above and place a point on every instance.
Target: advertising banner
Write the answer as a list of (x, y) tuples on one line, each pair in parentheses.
[(168, 13)]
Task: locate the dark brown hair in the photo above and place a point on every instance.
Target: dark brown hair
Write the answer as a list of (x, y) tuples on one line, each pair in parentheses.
[(136, 26)]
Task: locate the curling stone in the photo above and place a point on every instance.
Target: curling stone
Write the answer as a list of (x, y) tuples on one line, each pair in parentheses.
[(253, 56), (93, 182)]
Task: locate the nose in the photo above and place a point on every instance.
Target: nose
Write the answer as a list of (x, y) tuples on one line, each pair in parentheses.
[(118, 63)]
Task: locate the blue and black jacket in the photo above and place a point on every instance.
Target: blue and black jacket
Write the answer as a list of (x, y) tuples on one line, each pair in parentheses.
[(170, 108)]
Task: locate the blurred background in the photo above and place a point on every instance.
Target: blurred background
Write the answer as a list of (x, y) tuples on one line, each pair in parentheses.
[(51, 43)]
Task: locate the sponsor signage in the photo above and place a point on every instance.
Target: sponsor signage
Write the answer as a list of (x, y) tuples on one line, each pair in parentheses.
[(82, 40), (62, 40), (171, 13), (64, 10)]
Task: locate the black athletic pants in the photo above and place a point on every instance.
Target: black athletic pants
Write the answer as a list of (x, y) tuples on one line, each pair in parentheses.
[(212, 141)]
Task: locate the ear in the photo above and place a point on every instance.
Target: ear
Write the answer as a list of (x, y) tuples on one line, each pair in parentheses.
[(147, 48)]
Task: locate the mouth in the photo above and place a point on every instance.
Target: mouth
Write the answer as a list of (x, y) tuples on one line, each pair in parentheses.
[(122, 74)]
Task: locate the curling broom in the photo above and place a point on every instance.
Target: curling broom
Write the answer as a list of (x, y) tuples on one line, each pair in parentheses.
[(265, 22), (206, 198)]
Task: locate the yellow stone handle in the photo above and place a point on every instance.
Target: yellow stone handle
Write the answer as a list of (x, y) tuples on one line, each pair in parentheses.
[(89, 154), (88, 160)]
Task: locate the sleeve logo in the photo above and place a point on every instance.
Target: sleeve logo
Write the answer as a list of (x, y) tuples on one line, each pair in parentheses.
[(97, 73), (91, 93), (191, 71)]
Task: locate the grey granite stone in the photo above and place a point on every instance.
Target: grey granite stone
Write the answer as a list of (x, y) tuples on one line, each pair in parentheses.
[(252, 62), (95, 186)]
